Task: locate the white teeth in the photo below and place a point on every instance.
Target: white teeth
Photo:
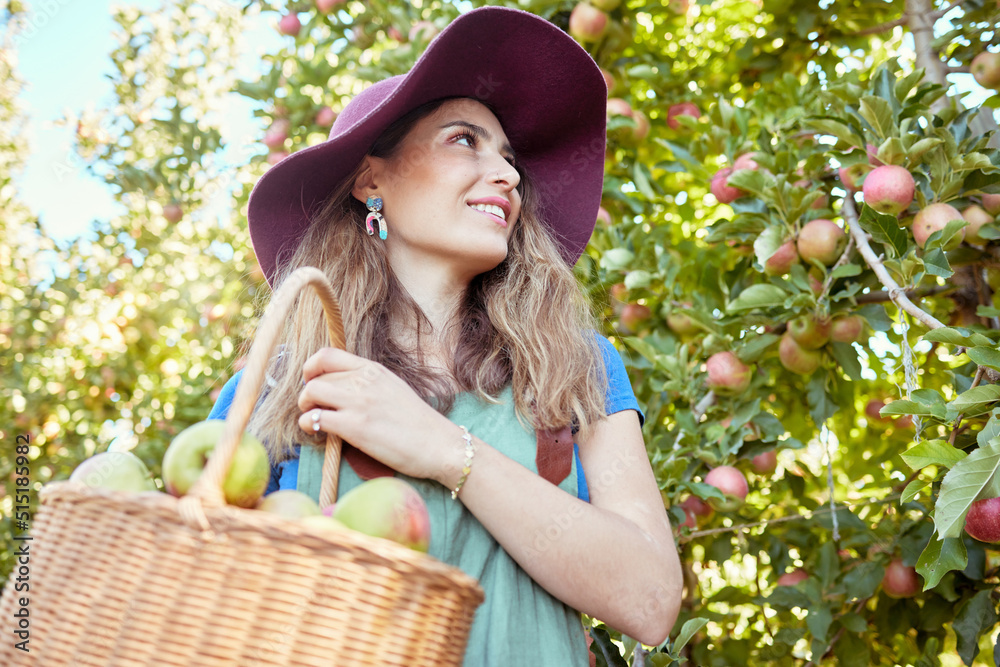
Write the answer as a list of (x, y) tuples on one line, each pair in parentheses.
[(490, 208)]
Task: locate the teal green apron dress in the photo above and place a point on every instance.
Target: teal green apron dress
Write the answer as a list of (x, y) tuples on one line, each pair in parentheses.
[(519, 623)]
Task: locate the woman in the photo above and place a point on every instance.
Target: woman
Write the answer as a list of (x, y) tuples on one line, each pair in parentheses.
[(448, 207)]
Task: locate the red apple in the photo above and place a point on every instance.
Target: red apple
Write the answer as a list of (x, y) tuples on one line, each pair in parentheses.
[(274, 157), (394, 33), (815, 284), (289, 25), (934, 218), (609, 80), (809, 332), (290, 504), (723, 192), (679, 6), (794, 577), (889, 189), (173, 212), (873, 414), (872, 151), (847, 329), (985, 69), (389, 508), (694, 507), (976, 216), (276, 135), (782, 260), (851, 176), (618, 107), (900, 581), (822, 202), (983, 520), (765, 462), (641, 129), (821, 240), (119, 471), (603, 217), (188, 454), (634, 315), (324, 6), (587, 23), (733, 485), (727, 375), (325, 117), (991, 203), (619, 293), (422, 31), (745, 161), (797, 359), (681, 324), (682, 109)]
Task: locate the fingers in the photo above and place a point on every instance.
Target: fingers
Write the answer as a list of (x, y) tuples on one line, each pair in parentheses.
[(318, 420), (331, 360)]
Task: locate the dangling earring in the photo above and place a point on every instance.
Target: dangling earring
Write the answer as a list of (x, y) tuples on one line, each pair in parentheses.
[(374, 205)]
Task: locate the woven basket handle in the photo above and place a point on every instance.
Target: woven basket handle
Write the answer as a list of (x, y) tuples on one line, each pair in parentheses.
[(208, 488)]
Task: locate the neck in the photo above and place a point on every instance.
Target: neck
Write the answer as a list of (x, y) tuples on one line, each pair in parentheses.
[(439, 295)]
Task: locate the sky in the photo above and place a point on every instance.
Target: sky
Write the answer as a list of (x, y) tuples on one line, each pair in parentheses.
[(63, 58)]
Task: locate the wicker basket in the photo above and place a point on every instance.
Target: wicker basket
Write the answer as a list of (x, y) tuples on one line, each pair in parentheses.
[(147, 579)]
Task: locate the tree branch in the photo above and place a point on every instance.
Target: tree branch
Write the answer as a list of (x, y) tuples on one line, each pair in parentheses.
[(879, 297), (896, 293)]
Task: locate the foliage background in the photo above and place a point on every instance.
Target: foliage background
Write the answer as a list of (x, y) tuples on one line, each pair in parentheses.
[(143, 318)]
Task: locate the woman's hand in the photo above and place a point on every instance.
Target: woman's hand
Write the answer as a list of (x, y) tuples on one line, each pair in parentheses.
[(377, 412)]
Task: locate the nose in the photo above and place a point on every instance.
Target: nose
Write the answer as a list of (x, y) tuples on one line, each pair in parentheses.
[(503, 173)]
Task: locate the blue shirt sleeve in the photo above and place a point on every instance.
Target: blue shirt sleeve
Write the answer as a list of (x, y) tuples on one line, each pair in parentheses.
[(619, 397), (221, 409)]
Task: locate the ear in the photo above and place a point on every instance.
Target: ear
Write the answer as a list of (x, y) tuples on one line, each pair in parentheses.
[(366, 183)]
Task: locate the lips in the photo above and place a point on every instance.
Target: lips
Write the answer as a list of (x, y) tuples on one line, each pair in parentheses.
[(496, 207)]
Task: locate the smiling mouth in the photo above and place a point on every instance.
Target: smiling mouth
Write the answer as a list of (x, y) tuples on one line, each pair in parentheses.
[(492, 210)]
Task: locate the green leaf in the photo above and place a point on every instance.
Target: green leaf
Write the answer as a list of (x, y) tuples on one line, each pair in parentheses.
[(976, 617), (767, 242), (846, 271), (754, 181), (615, 259), (688, 631), (956, 336), (875, 315), (918, 149), (985, 356), (912, 489), (847, 359), (976, 400), (756, 346), (990, 431), (637, 279), (878, 113), (862, 580), (905, 407), (936, 263), (854, 623), (821, 404), (819, 621), (939, 558), (759, 296), (852, 651), (962, 486), (884, 229), (837, 129), (927, 396), (932, 452), (640, 177)]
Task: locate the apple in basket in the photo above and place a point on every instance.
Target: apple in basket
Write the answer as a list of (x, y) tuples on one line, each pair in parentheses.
[(189, 452), (289, 504), (386, 507), (120, 471)]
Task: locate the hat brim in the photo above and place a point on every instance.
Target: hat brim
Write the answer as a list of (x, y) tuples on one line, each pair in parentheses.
[(547, 92)]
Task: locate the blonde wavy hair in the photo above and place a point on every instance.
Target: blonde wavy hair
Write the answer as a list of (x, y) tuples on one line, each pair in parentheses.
[(525, 323)]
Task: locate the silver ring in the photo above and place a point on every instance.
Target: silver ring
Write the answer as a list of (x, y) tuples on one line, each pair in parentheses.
[(316, 416)]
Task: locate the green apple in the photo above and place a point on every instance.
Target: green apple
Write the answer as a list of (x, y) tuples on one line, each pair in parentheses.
[(188, 454), (290, 504), (386, 507), (120, 471)]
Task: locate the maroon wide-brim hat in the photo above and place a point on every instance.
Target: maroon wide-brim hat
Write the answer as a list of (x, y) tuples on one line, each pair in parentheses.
[(547, 92)]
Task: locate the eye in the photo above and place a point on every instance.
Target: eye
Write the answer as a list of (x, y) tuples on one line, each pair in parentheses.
[(468, 137)]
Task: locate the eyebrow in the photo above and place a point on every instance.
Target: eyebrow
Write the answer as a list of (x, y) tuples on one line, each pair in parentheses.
[(482, 132)]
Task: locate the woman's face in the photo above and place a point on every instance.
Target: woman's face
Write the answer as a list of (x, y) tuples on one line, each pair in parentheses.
[(449, 192)]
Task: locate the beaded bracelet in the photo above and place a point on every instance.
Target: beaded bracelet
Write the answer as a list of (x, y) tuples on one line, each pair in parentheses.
[(470, 451)]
